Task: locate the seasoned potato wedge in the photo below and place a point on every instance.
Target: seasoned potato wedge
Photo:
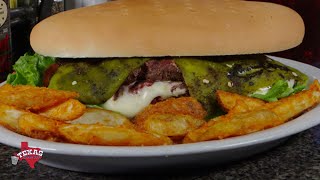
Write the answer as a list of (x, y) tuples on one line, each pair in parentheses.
[(33, 98), (170, 125), (267, 116), (239, 124), (66, 111), (292, 106), (103, 135), (103, 117), (39, 127), (176, 106), (55, 116), (28, 123), (9, 117), (228, 100)]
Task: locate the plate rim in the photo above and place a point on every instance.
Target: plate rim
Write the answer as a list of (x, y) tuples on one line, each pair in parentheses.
[(287, 129)]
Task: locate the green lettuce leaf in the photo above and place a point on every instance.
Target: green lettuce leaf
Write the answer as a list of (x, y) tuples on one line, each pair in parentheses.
[(280, 89), (29, 70)]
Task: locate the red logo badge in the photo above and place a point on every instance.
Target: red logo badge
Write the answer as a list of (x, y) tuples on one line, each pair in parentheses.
[(31, 155)]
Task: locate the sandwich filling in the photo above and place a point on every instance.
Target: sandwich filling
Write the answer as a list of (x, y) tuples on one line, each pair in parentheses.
[(154, 81), (127, 85), (131, 103)]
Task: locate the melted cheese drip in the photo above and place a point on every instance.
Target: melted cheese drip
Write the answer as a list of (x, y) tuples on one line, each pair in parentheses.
[(130, 104)]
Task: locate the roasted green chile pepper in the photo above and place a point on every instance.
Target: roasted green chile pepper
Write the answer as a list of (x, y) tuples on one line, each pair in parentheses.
[(95, 82), (240, 74)]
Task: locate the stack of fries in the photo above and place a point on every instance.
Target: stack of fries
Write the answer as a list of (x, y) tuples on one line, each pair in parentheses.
[(56, 115)]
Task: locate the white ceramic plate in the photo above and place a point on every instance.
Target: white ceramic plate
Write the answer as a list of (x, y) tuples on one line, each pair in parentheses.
[(110, 159)]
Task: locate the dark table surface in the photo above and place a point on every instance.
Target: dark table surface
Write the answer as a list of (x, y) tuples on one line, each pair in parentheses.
[(296, 158)]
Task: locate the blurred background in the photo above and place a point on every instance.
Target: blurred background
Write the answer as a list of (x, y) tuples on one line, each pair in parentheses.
[(17, 17)]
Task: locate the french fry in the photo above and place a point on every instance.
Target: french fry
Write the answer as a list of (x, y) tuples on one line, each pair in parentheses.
[(228, 100), (110, 136), (39, 127), (65, 119), (28, 123), (239, 124), (267, 116), (176, 106), (33, 98), (66, 111), (103, 117), (9, 117), (170, 125), (293, 106)]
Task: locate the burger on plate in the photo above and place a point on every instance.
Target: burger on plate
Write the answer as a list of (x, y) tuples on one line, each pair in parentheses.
[(126, 54)]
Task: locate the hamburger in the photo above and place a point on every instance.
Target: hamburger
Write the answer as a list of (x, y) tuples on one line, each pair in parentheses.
[(126, 54)]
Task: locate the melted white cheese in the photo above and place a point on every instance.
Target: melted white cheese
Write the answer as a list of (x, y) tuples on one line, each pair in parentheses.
[(262, 91), (130, 104)]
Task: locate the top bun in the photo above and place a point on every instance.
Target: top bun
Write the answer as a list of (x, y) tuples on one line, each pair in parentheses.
[(127, 28)]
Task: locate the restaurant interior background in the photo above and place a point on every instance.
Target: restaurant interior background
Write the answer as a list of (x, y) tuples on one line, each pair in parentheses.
[(22, 15)]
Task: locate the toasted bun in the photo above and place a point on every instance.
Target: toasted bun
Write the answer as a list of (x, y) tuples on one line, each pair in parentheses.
[(126, 28)]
